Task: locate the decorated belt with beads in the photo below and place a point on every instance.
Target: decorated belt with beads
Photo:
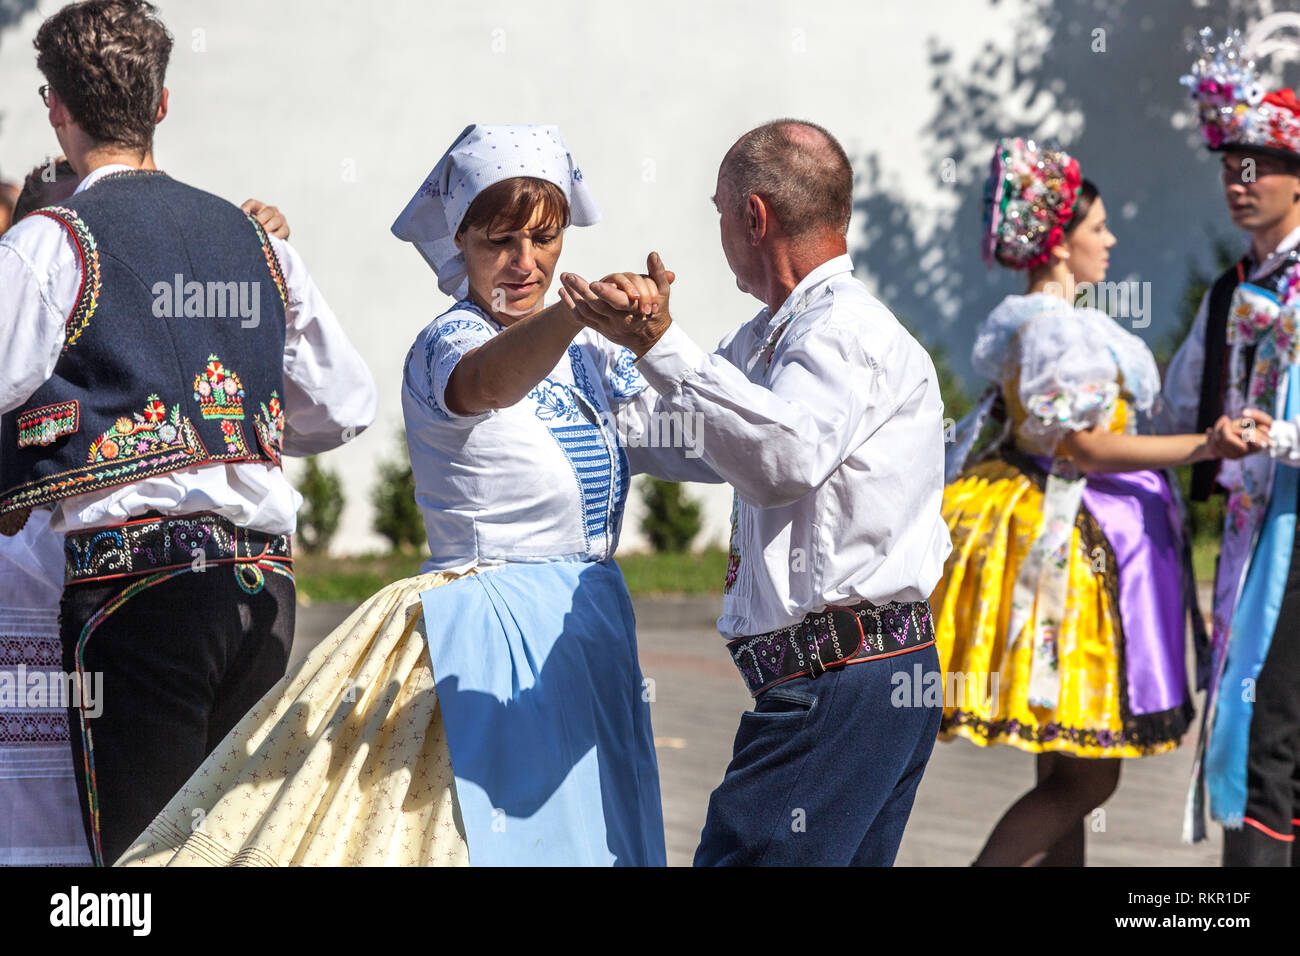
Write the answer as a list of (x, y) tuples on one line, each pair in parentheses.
[(166, 542), (831, 638)]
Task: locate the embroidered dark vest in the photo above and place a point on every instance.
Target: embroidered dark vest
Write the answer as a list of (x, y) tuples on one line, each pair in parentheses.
[(174, 351), (1214, 374)]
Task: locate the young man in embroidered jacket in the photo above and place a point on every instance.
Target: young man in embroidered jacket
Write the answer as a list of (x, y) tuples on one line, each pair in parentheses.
[(162, 353), (824, 414), (1242, 359)]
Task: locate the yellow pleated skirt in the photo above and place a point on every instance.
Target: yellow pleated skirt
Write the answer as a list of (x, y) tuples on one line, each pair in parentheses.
[(994, 512), (343, 763)]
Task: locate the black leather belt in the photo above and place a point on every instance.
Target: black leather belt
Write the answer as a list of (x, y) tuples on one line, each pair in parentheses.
[(831, 638), (162, 543)]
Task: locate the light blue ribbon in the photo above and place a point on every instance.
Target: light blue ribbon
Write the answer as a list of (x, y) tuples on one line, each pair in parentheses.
[(1250, 635)]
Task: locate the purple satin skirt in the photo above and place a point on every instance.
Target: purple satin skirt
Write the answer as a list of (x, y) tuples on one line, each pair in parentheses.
[(1136, 512)]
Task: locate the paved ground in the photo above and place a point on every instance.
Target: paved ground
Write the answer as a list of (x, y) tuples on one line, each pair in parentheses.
[(698, 701)]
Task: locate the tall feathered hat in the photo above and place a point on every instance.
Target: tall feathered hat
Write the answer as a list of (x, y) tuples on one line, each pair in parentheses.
[(1029, 198), (1234, 110)]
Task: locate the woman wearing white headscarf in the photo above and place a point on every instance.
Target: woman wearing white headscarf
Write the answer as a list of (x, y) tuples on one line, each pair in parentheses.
[(534, 746)]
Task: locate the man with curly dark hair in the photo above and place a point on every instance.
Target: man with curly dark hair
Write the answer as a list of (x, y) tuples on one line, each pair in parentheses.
[(105, 62), (162, 352)]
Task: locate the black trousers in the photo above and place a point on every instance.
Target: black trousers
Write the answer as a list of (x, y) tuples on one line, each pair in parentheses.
[(176, 659)]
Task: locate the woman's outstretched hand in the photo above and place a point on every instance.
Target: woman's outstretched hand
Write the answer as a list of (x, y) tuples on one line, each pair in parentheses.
[(628, 308)]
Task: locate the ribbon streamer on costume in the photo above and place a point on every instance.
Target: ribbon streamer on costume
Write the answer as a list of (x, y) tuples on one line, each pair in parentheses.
[(1259, 534), (1256, 318), (1038, 598)]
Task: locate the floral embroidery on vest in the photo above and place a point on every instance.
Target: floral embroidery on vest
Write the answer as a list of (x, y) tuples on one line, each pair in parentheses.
[(269, 426), (91, 282), (1267, 321), (125, 173), (1259, 318), (219, 391), (47, 424), (272, 261), (152, 431), (127, 464), (220, 395)]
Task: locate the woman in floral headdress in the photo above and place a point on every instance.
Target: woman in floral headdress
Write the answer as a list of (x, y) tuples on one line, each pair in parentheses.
[(490, 709), (1066, 597)]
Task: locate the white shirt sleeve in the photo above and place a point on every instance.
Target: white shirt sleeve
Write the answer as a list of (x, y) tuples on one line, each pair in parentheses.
[(40, 275), (1284, 442), (662, 442), (619, 376), (1182, 393), (777, 443), (330, 395), (434, 356), (657, 440)]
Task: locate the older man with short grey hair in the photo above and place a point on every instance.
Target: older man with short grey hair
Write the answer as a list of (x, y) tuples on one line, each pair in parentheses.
[(824, 414)]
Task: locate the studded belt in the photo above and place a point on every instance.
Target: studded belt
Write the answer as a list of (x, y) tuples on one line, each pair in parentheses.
[(166, 542), (831, 638)]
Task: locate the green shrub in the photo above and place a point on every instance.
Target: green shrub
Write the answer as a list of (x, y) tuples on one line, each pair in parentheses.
[(672, 520), (322, 507), (397, 517)]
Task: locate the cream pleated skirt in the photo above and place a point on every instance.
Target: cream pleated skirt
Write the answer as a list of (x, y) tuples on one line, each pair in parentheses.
[(343, 763)]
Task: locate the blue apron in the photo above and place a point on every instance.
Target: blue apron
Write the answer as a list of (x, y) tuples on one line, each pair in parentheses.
[(547, 721)]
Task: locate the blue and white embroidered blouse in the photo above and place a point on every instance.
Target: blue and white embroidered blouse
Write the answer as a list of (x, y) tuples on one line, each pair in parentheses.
[(542, 480)]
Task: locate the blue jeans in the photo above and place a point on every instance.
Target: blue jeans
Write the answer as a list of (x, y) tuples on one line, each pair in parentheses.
[(824, 772)]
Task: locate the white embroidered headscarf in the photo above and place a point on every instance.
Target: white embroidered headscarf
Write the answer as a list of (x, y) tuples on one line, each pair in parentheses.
[(480, 157)]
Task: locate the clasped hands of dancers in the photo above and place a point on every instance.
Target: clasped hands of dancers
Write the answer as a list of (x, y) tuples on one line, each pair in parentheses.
[(490, 708)]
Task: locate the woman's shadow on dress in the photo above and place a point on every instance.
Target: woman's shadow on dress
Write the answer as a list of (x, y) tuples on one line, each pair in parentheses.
[(573, 688)]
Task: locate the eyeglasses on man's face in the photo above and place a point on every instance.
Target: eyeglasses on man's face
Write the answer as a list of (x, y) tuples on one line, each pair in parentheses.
[(44, 90)]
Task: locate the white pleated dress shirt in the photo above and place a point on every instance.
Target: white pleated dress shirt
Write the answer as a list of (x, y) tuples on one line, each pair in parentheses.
[(835, 450), (329, 394)]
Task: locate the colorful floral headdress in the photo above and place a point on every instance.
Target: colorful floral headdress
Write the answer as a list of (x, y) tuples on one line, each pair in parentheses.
[(1233, 108), (1029, 198)]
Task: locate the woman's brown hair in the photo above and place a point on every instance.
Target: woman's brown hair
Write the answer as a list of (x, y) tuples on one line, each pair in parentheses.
[(1082, 204), (511, 204)]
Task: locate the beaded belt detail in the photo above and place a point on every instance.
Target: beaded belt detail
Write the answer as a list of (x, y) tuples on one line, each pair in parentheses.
[(167, 542), (831, 638)]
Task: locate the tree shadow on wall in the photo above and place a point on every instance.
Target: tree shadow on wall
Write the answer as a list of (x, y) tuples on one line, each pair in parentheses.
[(1098, 78), (11, 11)]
